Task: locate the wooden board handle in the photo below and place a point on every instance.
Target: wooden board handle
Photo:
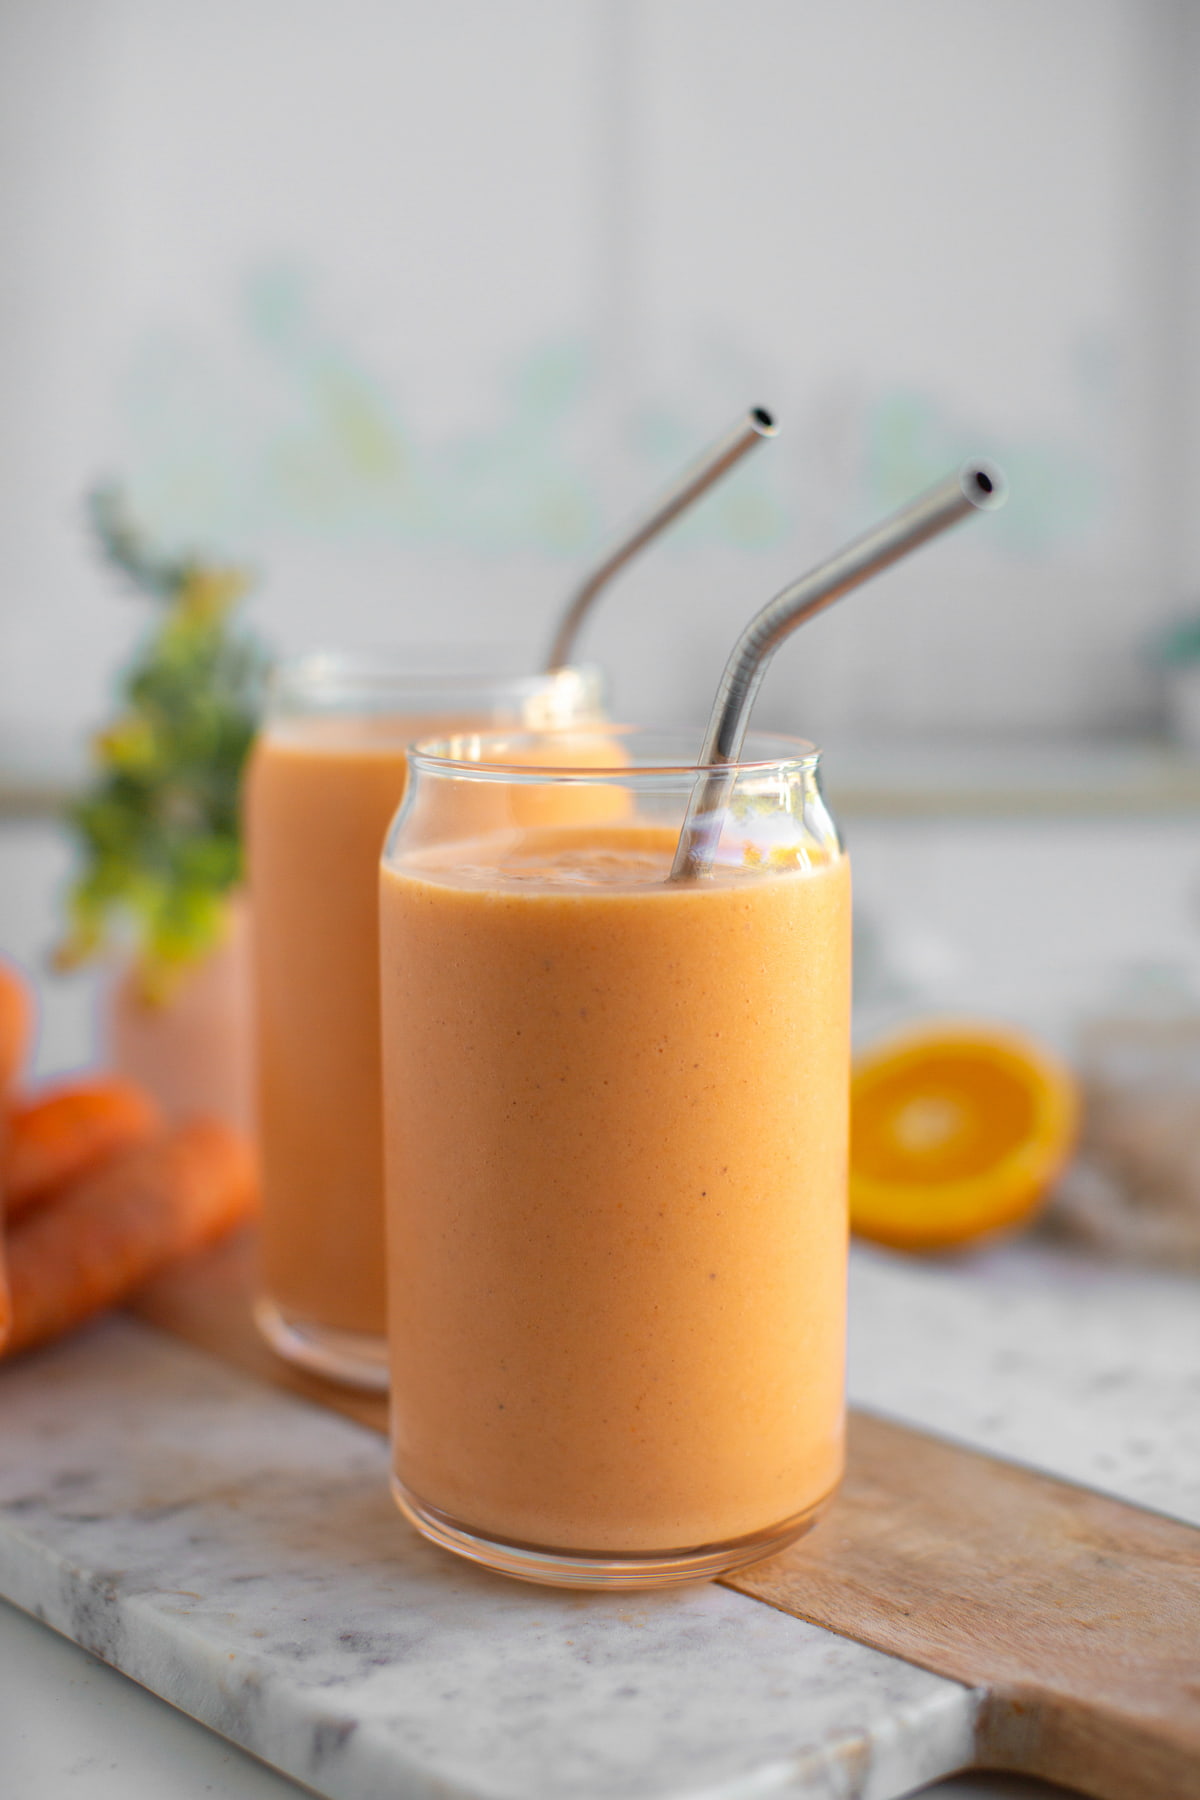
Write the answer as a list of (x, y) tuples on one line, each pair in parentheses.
[(1075, 1616)]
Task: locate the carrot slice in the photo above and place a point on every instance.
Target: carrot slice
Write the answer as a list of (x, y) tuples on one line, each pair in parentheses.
[(69, 1129), (92, 1243), (16, 1022)]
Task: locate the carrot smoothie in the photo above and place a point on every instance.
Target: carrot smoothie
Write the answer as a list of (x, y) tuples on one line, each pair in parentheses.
[(616, 1121), (321, 789)]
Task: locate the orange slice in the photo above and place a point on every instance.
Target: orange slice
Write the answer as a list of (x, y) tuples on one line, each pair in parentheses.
[(956, 1130)]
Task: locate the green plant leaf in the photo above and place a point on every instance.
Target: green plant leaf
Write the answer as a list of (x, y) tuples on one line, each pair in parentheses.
[(158, 828)]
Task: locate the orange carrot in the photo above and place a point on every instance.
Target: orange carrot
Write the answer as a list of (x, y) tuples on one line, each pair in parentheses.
[(5, 1296), (16, 1022), (68, 1130), (16, 1030), (92, 1243)]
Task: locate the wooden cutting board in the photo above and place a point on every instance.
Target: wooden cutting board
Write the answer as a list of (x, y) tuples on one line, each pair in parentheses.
[(1076, 1618)]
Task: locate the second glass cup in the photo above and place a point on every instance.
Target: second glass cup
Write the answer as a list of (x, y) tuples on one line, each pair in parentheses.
[(616, 1127), (325, 778)]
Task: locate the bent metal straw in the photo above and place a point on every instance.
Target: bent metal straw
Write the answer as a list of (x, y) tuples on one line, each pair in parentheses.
[(746, 435), (976, 487)]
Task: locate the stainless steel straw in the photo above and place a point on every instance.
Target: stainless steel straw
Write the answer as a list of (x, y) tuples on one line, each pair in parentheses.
[(976, 487), (728, 450)]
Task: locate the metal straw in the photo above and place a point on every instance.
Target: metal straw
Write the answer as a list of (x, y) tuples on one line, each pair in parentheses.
[(728, 450), (976, 487)]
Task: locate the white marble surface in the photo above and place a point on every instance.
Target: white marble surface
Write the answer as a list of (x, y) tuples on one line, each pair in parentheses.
[(71, 1728), (1080, 1367), (236, 1551)]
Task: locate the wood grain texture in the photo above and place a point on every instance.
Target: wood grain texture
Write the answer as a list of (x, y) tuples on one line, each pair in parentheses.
[(1075, 1617), (1078, 1617), (206, 1302)]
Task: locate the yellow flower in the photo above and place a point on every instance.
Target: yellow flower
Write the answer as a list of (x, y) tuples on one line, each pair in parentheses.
[(128, 744), (207, 593)]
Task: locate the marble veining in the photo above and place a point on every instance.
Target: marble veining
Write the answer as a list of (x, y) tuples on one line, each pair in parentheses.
[(235, 1550), (1083, 1368)]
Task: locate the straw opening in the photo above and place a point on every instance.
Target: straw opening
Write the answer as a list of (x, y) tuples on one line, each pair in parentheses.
[(983, 485)]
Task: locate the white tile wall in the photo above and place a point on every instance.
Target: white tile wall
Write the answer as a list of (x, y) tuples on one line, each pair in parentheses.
[(412, 303)]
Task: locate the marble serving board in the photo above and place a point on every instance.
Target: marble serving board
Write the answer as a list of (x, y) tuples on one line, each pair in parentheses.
[(234, 1548)]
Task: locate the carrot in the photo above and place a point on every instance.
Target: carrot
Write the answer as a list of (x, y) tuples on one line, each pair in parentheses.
[(16, 1022), (16, 1030), (5, 1297), (69, 1129), (89, 1245)]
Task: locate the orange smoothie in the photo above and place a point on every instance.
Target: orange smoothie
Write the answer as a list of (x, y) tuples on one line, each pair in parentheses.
[(320, 793), (321, 790), (616, 1125)]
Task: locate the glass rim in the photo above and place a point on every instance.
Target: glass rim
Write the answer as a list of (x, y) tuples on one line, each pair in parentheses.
[(448, 667), (435, 754)]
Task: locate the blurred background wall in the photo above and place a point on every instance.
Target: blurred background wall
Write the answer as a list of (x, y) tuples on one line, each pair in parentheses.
[(412, 303)]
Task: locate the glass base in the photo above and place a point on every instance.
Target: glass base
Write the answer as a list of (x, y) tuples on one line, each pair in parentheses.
[(353, 1358), (562, 1568)]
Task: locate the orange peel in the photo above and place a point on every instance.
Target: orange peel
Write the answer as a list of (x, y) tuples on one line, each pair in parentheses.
[(957, 1130)]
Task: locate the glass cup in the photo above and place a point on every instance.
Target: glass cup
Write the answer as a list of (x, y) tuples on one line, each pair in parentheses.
[(325, 778), (615, 1116)]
